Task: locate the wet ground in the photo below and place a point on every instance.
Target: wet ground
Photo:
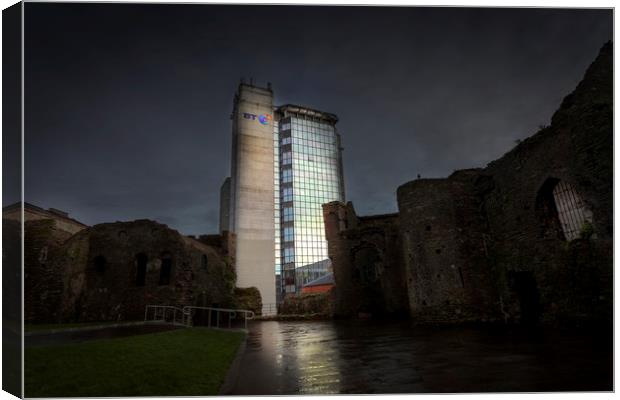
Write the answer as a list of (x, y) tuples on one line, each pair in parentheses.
[(364, 357), (78, 336)]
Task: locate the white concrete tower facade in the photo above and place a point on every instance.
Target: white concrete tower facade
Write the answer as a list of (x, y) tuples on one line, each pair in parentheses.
[(252, 188)]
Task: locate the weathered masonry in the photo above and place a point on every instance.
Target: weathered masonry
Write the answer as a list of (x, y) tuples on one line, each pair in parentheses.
[(111, 271), (527, 239)]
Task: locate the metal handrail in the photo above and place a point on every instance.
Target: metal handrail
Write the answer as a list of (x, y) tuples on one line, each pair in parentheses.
[(163, 313), (186, 314), (232, 313)]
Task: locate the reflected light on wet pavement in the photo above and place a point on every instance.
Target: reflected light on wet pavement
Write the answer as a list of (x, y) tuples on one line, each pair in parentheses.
[(328, 357)]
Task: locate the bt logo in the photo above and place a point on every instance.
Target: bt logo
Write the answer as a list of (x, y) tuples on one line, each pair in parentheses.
[(263, 118)]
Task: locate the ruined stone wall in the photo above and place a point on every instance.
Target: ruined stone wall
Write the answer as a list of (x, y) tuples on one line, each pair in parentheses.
[(366, 255), (488, 244), (224, 242), (541, 274), (444, 246), (42, 282), (98, 268), (334, 217), (11, 274)]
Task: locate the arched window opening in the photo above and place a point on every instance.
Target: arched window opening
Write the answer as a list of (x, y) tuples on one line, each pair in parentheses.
[(574, 216), (141, 261), (563, 210), (166, 269), (100, 263), (367, 261), (204, 262)]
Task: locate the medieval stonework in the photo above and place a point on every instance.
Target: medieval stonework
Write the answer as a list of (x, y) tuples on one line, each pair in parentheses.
[(367, 260), (527, 239), (111, 271)]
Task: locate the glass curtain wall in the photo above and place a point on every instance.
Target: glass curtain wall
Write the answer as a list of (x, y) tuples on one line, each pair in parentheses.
[(310, 176)]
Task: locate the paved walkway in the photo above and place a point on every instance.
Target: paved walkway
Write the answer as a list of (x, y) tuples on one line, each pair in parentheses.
[(328, 357)]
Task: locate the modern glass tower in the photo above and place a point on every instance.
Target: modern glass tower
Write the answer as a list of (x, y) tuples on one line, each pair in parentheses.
[(307, 174), (286, 163)]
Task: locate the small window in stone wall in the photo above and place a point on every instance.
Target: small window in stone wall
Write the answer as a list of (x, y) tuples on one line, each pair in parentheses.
[(166, 269), (204, 262), (99, 263), (43, 255), (141, 261), (575, 218)]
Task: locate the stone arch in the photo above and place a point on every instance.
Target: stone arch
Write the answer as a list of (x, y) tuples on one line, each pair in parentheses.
[(367, 268), (367, 259)]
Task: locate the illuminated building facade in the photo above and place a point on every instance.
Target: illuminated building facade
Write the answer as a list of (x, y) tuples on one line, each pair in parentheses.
[(308, 173)]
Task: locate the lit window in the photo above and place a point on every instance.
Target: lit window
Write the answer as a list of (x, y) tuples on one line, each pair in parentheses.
[(287, 157), (288, 233), (287, 194), (287, 175), (287, 214)]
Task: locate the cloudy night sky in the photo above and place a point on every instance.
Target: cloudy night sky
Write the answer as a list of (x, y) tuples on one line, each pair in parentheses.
[(127, 107)]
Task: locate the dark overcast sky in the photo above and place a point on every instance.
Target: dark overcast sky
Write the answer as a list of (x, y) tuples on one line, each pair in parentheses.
[(127, 106)]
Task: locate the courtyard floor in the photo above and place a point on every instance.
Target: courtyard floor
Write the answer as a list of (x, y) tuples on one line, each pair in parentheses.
[(323, 357)]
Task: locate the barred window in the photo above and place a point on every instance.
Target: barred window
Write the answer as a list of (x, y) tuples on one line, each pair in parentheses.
[(573, 214)]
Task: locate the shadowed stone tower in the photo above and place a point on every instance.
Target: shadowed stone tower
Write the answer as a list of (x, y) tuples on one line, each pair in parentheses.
[(252, 188)]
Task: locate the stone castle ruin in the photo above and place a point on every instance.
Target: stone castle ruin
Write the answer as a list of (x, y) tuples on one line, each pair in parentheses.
[(527, 239), (112, 271)]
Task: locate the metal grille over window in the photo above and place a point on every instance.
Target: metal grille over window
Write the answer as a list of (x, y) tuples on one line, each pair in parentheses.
[(572, 211)]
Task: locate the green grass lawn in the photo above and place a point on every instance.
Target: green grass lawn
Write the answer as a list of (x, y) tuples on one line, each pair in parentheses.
[(49, 327), (183, 362)]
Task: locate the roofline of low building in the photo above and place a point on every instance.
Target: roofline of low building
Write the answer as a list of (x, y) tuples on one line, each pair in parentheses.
[(33, 207)]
